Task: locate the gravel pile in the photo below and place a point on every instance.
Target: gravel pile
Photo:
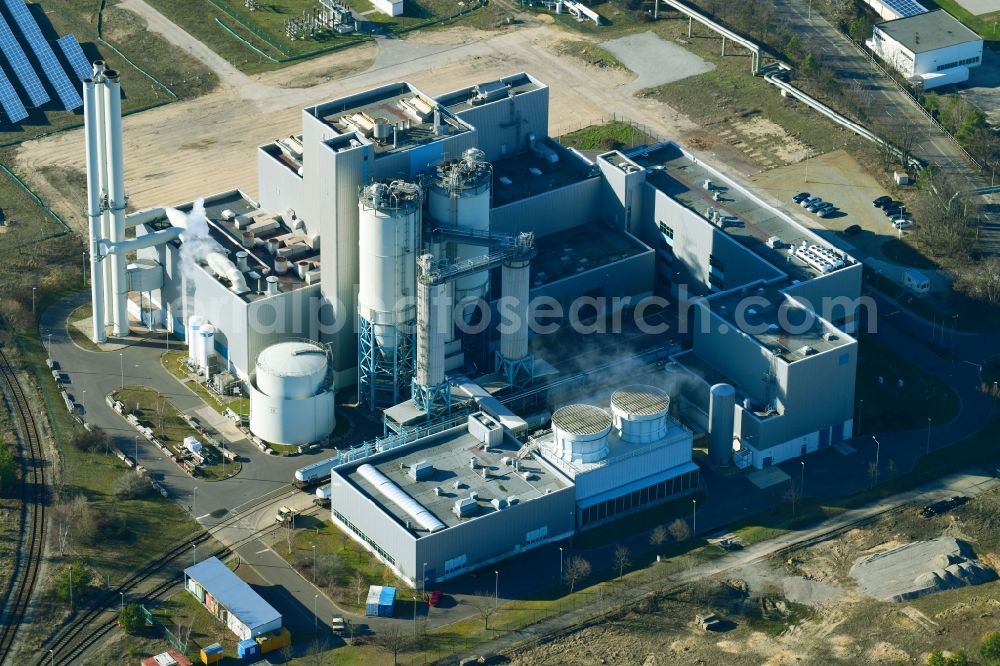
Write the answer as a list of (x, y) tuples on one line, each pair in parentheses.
[(922, 567)]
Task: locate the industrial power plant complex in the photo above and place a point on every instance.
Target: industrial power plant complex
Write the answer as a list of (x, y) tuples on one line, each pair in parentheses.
[(444, 264)]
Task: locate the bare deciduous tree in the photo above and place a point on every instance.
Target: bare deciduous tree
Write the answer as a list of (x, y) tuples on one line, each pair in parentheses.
[(792, 495), (576, 570), (623, 558), (658, 536), (394, 641), (486, 605), (679, 530), (359, 585)]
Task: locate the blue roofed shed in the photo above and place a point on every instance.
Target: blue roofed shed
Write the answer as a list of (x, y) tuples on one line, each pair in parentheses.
[(230, 599)]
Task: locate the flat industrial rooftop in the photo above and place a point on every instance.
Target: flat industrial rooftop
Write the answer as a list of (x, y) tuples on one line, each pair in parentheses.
[(226, 233), (514, 178), (460, 100), (682, 179), (581, 248), (450, 453), (384, 103)]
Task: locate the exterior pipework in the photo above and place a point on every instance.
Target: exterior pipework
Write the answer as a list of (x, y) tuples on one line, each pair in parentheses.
[(721, 417), (116, 198), (390, 491), (94, 213)]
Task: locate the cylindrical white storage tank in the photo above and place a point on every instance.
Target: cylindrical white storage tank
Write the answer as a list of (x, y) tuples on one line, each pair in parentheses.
[(206, 346), (434, 319), (291, 400), (581, 433), (291, 370), (193, 338), (514, 325), (640, 413), (460, 197), (388, 241), (721, 415)]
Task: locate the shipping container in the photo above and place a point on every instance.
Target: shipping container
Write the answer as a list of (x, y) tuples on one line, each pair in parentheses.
[(381, 601), (248, 649), (274, 640), (212, 654)]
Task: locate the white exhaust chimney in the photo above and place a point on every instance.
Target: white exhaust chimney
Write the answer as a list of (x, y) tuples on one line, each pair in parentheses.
[(272, 285)]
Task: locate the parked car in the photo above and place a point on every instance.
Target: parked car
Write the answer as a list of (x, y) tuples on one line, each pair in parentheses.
[(800, 197), (815, 206), (941, 506), (902, 223), (882, 201), (338, 625), (827, 212), (894, 211), (852, 230), (809, 201), (284, 515), (435, 598), (826, 205)]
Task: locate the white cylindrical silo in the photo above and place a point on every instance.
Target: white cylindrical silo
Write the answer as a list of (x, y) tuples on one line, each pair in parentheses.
[(434, 319), (291, 369), (640, 413), (515, 280), (388, 241), (193, 338), (460, 197), (721, 415), (291, 397), (206, 346), (581, 433)]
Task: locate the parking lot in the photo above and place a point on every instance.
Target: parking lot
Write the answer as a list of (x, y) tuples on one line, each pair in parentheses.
[(839, 179)]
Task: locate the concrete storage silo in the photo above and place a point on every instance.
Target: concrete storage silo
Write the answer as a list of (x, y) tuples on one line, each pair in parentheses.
[(460, 197), (206, 347), (721, 414), (434, 323), (581, 433), (388, 240), (640, 413), (291, 394)]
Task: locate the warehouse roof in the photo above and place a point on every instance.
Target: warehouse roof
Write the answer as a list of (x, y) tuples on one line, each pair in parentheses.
[(929, 32), (233, 593)]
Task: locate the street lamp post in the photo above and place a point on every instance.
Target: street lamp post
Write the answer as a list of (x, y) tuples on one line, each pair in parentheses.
[(560, 563), (52, 658), (802, 480), (694, 517), (121, 360), (861, 413), (33, 301), (878, 448), (314, 564), (123, 602), (423, 579), (137, 451), (194, 503), (194, 554), (315, 614), (50, 345), (928, 435), (496, 590)]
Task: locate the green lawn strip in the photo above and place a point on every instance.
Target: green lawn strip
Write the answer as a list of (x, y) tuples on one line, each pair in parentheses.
[(169, 427), (615, 135), (985, 25), (76, 335), (173, 362)]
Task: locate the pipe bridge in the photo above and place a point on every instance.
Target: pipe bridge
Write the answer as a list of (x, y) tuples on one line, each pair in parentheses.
[(506, 248)]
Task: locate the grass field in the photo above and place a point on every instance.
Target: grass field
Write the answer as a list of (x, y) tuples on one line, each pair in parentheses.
[(615, 135), (179, 72), (264, 28)]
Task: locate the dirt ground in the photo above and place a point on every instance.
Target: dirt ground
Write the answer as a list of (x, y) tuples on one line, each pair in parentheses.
[(767, 626), (185, 150)]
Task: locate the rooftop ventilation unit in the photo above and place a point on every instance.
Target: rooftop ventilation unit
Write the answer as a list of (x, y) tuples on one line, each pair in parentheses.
[(421, 470)]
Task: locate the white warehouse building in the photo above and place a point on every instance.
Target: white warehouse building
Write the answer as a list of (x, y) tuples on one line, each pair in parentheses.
[(932, 49)]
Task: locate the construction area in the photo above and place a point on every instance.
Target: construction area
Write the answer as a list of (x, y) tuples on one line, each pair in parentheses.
[(805, 607)]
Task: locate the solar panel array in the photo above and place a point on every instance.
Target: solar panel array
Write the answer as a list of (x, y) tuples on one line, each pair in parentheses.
[(22, 68), (74, 55), (64, 88), (905, 7), (10, 102)]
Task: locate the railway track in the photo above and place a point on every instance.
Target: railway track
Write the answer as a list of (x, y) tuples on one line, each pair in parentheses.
[(35, 493), (101, 617)]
